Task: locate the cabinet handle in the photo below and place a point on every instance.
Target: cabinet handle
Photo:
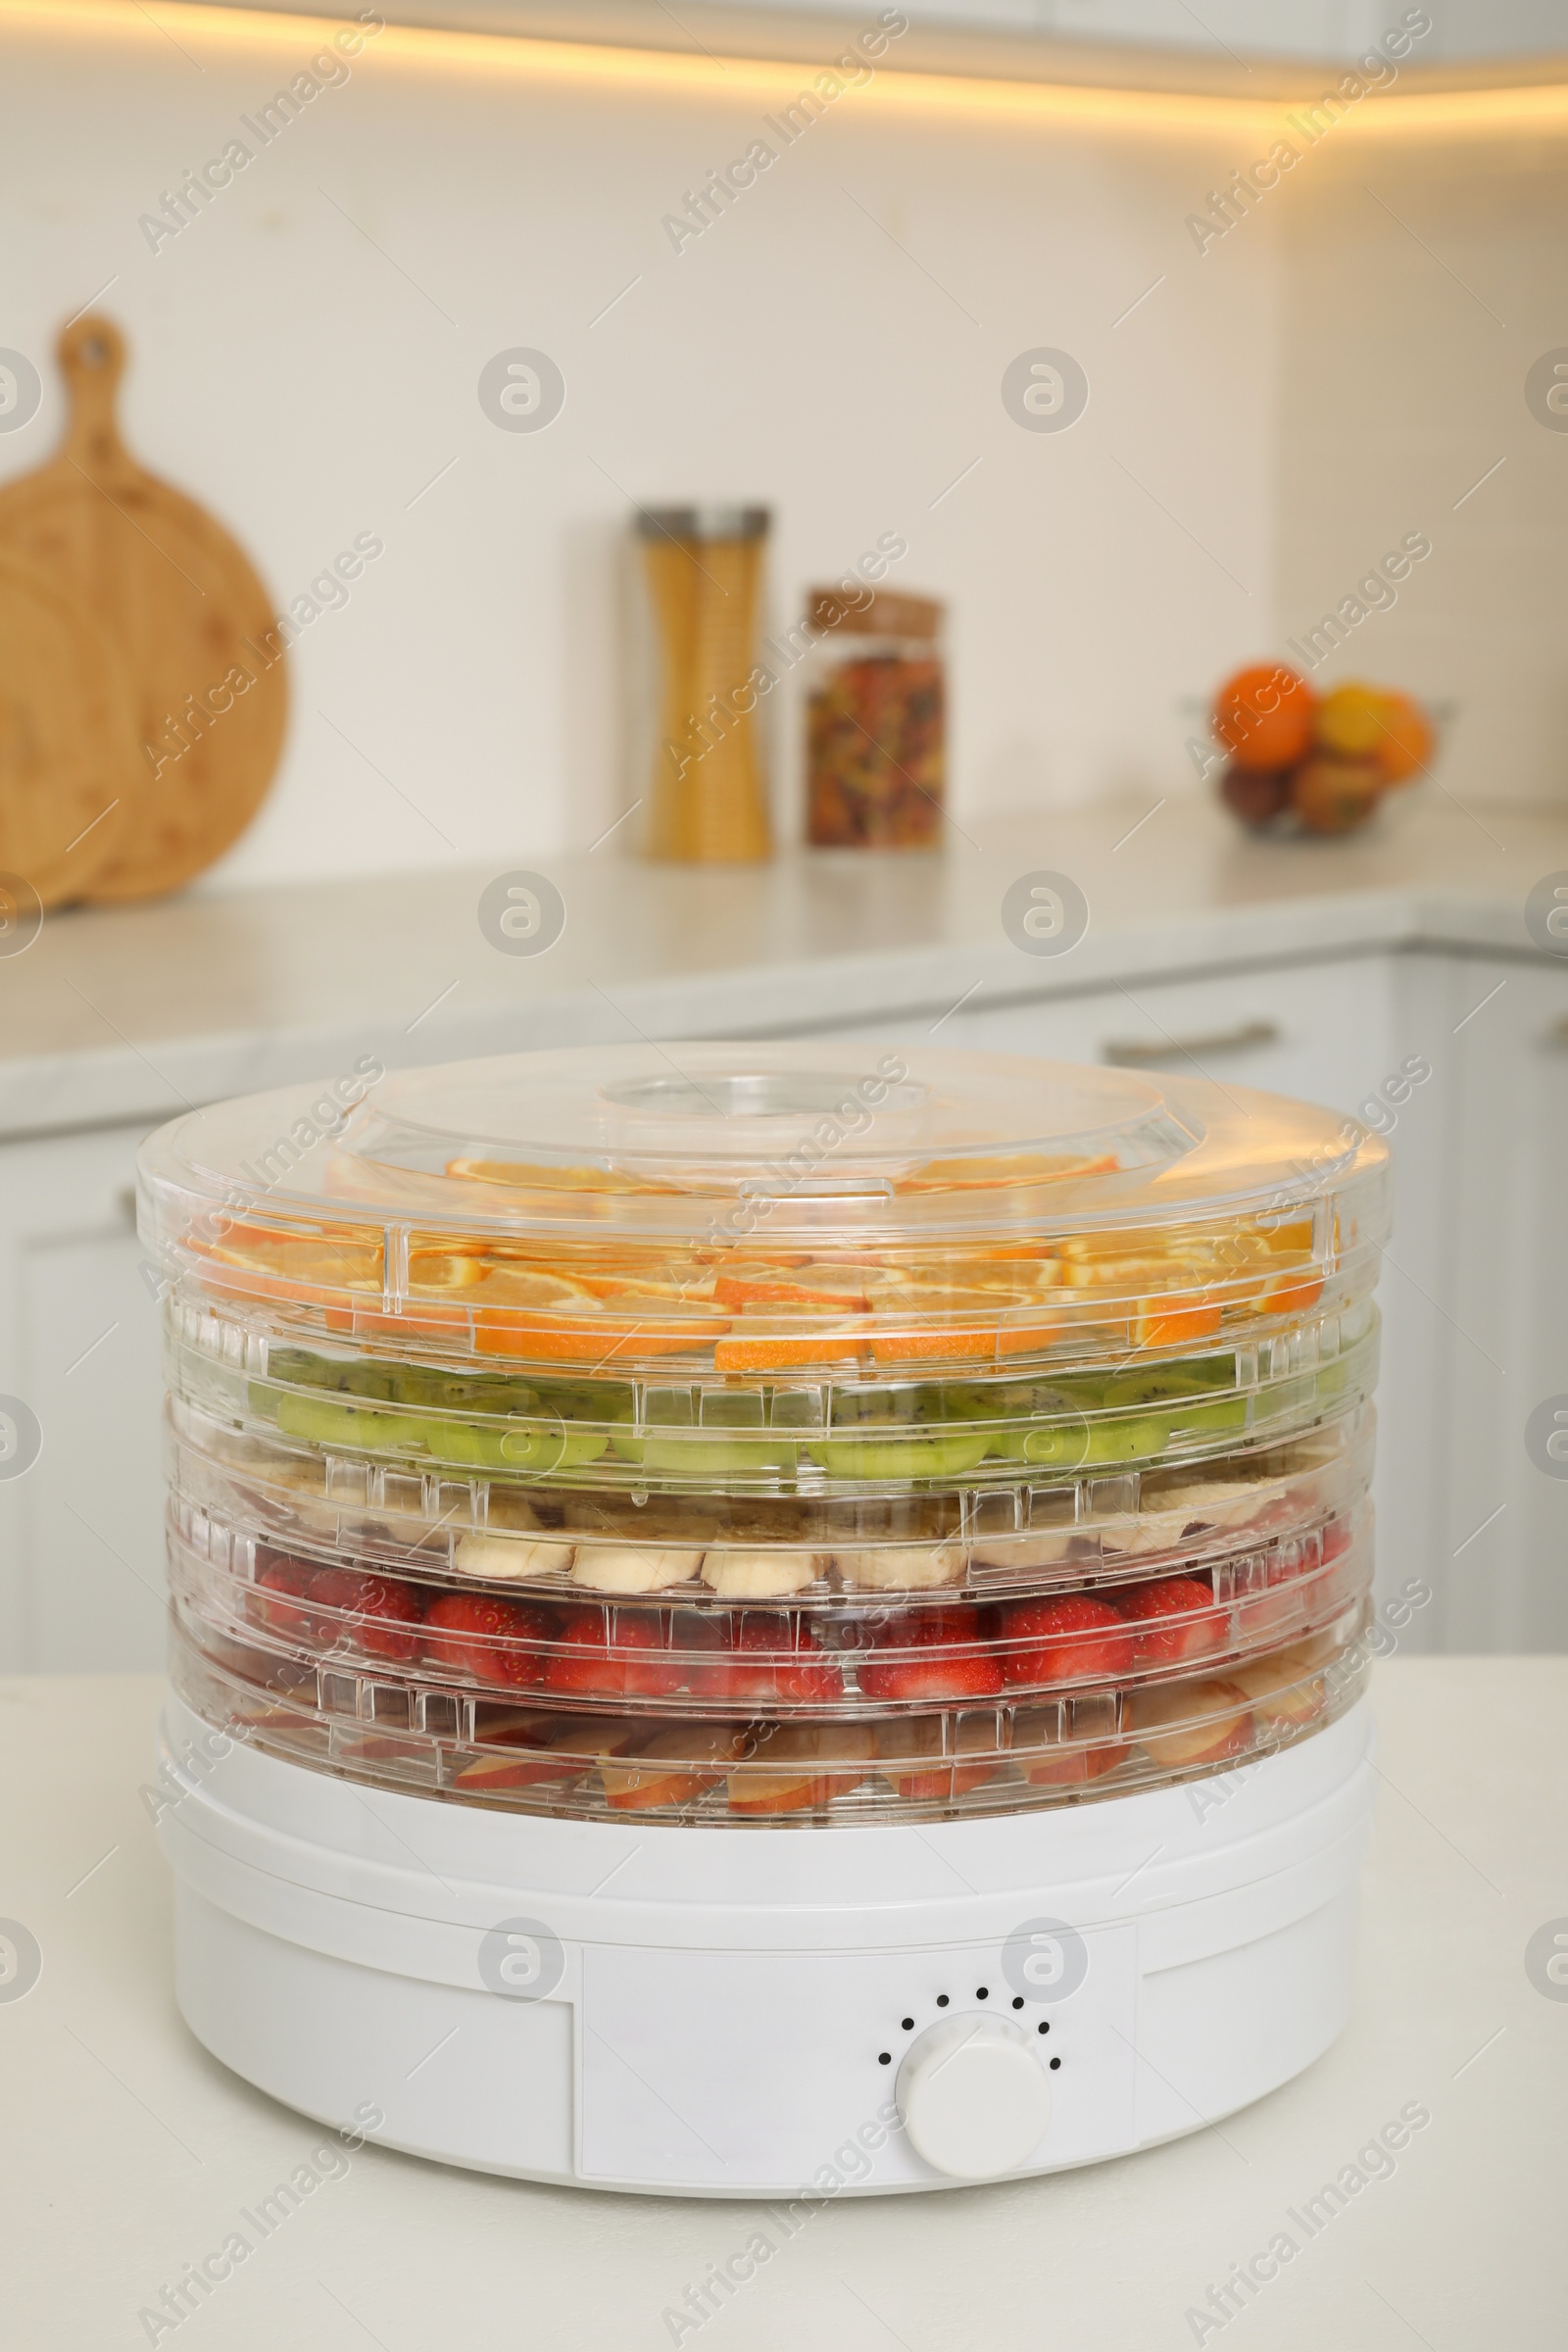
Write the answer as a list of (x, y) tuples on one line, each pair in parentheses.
[(1128, 1053), (1558, 1034), (126, 1202)]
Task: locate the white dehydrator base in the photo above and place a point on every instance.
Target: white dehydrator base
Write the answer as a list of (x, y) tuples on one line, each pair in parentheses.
[(702, 2012)]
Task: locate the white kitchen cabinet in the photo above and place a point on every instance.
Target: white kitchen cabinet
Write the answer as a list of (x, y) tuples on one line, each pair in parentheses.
[(81, 1572), (1510, 1586)]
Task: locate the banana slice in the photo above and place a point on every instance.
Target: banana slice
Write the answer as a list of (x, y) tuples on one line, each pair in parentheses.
[(1019, 1552), (633, 1567), (759, 1575), (902, 1567), (510, 1557)]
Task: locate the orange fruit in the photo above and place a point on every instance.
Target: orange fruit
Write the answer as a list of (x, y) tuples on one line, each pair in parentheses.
[(1263, 715), (1352, 720), (1407, 742), (1334, 796)]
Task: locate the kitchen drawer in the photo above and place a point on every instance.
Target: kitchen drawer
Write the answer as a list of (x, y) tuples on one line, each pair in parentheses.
[(1322, 1031)]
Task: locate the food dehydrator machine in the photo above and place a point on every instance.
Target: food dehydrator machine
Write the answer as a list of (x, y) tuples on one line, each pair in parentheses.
[(751, 1616)]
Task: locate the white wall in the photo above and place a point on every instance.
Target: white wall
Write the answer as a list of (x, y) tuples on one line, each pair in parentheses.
[(1424, 282), (307, 374)]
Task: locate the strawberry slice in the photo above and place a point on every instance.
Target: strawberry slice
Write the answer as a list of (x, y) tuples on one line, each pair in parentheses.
[(280, 1573), (612, 1653), (474, 1634), (769, 1656), (1074, 1639), (1175, 1618), (376, 1613), (931, 1653)]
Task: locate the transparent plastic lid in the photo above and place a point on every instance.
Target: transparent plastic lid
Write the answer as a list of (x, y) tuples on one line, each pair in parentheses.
[(765, 1206)]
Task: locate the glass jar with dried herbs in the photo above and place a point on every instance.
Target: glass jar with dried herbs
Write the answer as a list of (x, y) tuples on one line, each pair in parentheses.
[(876, 721)]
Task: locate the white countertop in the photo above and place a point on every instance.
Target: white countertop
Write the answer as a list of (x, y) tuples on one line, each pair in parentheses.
[(129, 2152), (127, 1013)]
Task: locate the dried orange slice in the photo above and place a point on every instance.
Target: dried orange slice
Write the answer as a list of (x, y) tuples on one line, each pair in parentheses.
[(769, 1350), (1290, 1294), (671, 1281), (841, 1288), (972, 1343), (1173, 1322), (523, 1175), (993, 1172)]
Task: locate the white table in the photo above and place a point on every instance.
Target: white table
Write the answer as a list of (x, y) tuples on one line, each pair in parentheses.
[(129, 2153)]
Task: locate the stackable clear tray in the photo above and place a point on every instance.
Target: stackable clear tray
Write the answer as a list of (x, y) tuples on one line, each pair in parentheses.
[(826, 1437), (702, 1654), (610, 1764), (964, 1540), (745, 1212)]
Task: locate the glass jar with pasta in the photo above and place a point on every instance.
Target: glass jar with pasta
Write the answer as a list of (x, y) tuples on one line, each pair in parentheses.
[(698, 675)]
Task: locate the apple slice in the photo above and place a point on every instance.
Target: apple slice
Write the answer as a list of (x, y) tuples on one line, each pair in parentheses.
[(925, 1766), (1047, 1761), (1285, 1685), (672, 1769), (1192, 1722), (794, 1767), (559, 1750)]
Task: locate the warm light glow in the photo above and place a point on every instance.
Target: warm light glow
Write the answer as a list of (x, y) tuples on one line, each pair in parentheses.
[(525, 60)]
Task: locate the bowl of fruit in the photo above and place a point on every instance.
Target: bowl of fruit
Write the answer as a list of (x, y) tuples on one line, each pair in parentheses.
[(1303, 762)]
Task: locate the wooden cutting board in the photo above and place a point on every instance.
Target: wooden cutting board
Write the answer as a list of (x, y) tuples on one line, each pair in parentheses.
[(70, 765), (193, 626)]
